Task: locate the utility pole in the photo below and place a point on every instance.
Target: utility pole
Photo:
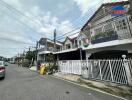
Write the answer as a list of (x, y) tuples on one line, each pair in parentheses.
[(36, 52), (18, 62), (29, 48), (54, 46), (55, 40)]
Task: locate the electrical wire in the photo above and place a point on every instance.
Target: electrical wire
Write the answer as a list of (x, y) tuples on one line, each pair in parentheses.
[(75, 28), (63, 36), (11, 8), (69, 35), (16, 41)]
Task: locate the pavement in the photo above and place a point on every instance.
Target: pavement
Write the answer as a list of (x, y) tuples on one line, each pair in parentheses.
[(23, 84), (124, 91)]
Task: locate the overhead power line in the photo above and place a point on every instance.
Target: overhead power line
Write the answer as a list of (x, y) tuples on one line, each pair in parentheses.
[(18, 11), (13, 9), (16, 41), (69, 35), (69, 32)]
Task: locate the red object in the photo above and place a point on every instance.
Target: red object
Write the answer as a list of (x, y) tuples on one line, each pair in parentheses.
[(118, 12), (2, 68)]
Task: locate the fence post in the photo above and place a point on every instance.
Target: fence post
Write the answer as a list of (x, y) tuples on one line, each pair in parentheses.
[(80, 64), (129, 77), (100, 70), (88, 72), (91, 68), (111, 71), (58, 66)]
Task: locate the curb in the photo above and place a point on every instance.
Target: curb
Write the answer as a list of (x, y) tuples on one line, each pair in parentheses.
[(88, 87)]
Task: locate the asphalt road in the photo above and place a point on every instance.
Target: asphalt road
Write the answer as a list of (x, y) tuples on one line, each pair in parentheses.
[(23, 84)]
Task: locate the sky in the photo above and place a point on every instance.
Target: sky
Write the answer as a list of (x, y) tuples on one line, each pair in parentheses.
[(24, 22)]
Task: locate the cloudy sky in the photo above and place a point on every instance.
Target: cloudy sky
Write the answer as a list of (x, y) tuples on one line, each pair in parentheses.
[(38, 18)]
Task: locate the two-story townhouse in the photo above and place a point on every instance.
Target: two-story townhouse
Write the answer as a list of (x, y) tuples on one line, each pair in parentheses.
[(109, 36), (72, 48), (46, 46)]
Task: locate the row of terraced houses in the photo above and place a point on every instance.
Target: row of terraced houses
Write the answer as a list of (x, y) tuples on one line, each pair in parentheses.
[(98, 51)]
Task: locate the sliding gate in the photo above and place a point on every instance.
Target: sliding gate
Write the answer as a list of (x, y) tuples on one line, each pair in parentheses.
[(118, 71)]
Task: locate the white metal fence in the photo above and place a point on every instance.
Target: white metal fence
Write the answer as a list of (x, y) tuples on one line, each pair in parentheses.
[(118, 71), (70, 66)]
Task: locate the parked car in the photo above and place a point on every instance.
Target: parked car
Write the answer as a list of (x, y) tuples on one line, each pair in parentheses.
[(2, 69)]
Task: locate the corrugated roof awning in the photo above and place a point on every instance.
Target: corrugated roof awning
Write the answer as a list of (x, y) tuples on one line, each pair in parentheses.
[(108, 44), (44, 52), (64, 51)]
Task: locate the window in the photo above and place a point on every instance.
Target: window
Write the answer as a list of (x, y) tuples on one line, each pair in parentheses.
[(58, 48), (75, 43), (68, 46), (121, 25), (80, 43)]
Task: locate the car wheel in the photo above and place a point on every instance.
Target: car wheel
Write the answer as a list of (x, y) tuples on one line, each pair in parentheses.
[(2, 78)]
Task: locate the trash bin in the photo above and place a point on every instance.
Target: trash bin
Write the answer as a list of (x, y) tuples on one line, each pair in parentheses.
[(42, 69)]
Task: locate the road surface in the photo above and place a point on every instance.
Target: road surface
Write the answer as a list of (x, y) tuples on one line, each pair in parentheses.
[(23, 84)]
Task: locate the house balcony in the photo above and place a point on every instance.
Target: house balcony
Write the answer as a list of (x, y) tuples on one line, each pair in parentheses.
[(104, 37), (47, 50), (117, 28)]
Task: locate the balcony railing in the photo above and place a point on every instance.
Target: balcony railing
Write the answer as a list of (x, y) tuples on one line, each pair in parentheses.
[(121, 29), (51, 49), (104, 37), (42, 49)]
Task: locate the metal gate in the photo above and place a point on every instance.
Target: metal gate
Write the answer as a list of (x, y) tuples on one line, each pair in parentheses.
[(108, 70)]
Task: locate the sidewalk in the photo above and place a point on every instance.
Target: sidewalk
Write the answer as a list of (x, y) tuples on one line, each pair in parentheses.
[(112, 88)]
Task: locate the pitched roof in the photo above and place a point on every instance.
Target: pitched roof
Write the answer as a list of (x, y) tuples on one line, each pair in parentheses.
[(72, 38), (66, 39), (106, 4)]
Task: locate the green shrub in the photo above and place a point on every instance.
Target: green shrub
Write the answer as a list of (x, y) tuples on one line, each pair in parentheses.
[(103, 34), (26, 63)]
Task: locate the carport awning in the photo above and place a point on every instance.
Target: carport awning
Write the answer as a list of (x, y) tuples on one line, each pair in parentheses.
[(64, 51), (108, 44), (44, 52)]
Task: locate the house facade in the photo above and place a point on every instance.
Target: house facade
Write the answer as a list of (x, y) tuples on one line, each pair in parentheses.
[(72, 48), (45, 47), (97, 51), (109, 36)]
